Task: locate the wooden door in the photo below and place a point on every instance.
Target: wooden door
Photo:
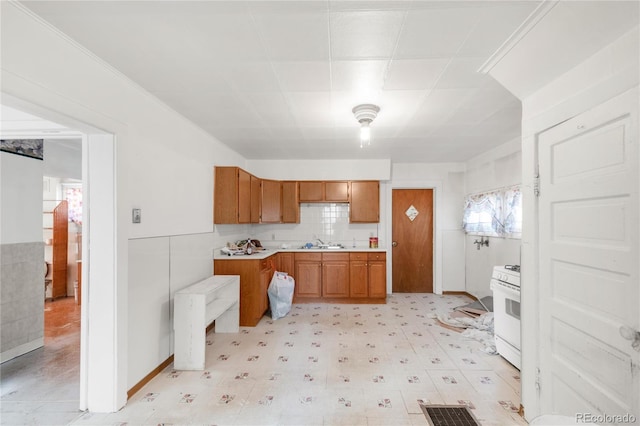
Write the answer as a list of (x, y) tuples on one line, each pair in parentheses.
[(358, 278), (589, 272), (364, 202), (377, 271), (255, 199), (335, 275), (336, 191), (290, 202), (308, 274), (244, 197), (311, 191), (286, 263), (271, 201), (59, 260), (412, 240)]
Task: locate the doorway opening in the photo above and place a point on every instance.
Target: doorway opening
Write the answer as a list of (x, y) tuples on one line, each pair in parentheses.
[(102, 385)]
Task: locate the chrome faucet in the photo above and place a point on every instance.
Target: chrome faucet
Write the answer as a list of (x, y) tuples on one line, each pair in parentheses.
[(320, 241), (483, 242)]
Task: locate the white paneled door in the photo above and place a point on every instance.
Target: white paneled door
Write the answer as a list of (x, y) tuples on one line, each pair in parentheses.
[(589, 264)]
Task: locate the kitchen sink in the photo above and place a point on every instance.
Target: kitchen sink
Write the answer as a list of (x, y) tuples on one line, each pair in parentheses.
[(324, 247)]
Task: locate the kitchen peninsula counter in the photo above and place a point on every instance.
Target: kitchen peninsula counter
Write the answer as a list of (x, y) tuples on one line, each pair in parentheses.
[(348, 275), (263, 254)]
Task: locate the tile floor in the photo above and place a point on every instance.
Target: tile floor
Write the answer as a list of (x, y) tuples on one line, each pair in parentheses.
[(328, 364)]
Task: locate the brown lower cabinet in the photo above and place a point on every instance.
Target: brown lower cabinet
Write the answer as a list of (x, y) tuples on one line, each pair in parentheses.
[(368, 275), (286, 263), (358, 277), (255, 276), (355, 276), (308, 275)]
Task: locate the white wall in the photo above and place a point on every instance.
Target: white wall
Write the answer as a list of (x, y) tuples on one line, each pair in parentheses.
[(321, 169), (164, 163), (22, 255), (494, 169)]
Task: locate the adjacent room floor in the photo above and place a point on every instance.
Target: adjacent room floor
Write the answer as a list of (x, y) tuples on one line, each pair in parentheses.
[(323, 364), (42, 386)]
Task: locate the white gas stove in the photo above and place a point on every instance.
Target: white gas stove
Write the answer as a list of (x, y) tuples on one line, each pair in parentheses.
[(505, 283)]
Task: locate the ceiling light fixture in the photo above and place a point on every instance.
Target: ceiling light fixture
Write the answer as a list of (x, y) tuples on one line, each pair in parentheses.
[(365, 114)]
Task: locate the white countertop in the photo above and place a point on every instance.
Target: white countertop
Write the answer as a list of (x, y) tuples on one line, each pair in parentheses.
[(263, 254)]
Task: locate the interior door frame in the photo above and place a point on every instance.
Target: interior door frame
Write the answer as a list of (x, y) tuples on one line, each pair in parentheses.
[(436, 186), (103, 327)]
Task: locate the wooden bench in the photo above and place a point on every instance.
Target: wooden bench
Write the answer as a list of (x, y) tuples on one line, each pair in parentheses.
[(216, 298)]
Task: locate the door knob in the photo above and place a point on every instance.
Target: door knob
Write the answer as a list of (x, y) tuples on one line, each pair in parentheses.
[(394, 244)]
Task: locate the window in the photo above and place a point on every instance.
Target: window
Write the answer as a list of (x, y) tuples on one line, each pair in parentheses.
[(73, 195), (496, 213)]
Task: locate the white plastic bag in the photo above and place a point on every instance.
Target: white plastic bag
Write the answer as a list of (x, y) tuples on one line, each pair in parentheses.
[(280, 294)]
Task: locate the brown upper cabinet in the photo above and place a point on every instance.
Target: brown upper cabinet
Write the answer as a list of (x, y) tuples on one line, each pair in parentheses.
[(290, 202), (256, 194), (364, 202), (241, 197), (328, 191), (336, 191), (232, 196), (270, 201)]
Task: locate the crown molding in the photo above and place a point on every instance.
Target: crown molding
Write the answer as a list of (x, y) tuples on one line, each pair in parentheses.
[(532, 20)]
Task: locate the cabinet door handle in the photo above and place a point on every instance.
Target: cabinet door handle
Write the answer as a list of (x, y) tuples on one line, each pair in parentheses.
[(394, 244)]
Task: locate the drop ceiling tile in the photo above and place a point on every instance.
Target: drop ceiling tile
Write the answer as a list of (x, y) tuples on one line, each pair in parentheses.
[(309, 76), (219, 37), (254, 76), (311, 108), (369, 5), (409, 74), (435, 33), (291, 36), (439, 105), (364, 34), (271, 107), (318, 133), (463, 73), (360, 76), (287, 134), (397, 107)]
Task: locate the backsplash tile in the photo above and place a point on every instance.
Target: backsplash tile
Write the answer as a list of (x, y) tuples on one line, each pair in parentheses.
[(328, 222)]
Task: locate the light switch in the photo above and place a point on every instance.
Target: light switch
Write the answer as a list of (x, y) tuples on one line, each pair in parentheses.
[(136, 215)]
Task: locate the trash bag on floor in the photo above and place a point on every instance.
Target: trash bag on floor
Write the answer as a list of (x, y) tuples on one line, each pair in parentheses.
[(280, 294)]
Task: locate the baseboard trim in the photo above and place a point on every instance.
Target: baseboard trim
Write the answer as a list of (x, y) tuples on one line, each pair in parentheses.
[(460, 293), (22, 349), (148, 377)]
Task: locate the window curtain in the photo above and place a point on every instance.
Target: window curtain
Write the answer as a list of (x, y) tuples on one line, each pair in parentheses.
[(73, 195), (513, 212), (495, 213)]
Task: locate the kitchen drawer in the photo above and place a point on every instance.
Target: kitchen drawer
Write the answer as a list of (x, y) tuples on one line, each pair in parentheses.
[(357, 256), (377, 256), (317, 257), (335, 257)]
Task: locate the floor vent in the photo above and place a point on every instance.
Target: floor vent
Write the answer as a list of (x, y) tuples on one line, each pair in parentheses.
[(449, 415)]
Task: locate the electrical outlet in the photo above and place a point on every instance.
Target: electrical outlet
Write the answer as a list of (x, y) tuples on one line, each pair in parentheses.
[(273, 236)]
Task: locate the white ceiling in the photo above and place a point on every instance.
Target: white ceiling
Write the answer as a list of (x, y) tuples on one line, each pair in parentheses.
[(279, 79)]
